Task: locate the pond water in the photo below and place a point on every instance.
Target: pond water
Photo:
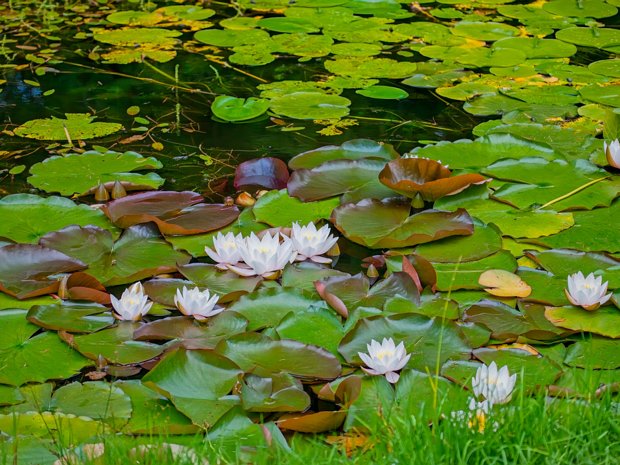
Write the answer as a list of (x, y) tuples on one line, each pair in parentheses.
[(462, 152)]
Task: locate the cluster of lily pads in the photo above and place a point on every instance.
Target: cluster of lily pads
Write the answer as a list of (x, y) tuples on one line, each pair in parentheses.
[(454, 277)]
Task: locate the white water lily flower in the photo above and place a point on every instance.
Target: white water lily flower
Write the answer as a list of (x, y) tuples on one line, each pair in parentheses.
[(265, 256), (612, 152), (311, 243), (226, 249), (588, 292), (197, 303), (385, 359), (494, 385), (133, 304)]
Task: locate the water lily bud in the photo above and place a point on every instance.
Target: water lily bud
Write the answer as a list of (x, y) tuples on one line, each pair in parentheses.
[(260, 193), (245, 200), (63, 291), (101, 193), (612, 152), (372, 271), (229, 201), (118, 191)]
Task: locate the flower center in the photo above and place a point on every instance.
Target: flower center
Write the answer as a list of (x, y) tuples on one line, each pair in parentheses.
[(383, 354)]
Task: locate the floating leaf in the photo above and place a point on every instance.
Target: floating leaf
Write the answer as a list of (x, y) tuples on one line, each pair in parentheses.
[(594, 353), (71, 316), (197, 382), (31, 270), (310, 105), (78, 173), (28, 217), (383, 93), (264, 356), (116, 345), (502, 283), (351, 150), (277, 208), (428, 179), (383, 224), (268, 172), (75, 126), (237, 109), (605, 321), (139, 253), (27, 358)]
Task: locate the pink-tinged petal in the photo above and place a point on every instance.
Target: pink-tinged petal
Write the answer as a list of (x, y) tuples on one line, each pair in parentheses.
[(370, 371), (392, 377), (606, 298), (570, 298), (213, 255), (321, 259), (241, 271), (365, 358)]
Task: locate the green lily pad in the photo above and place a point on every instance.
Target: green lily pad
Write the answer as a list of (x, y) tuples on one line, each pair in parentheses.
[(369, 67), (535, 47), (536, 182), (327, 333), (237, 109), (64, 429), (609, 67), (586, 234), (483, 151), (97, 400), (351, 150), (594, 353), (302, 45), (383, 93), (197, 382), (277, 393), (604, 321), (277, 208), (310, 105), (589, 9), (116, 345), (358, 49), (382, 224), (71, 316), (231, 38), (267, 307), (139, 253), (564, 262), (485, 240), (263, 356), (152, 413), (218, 281), (75, 126), (589, 36), (488, 31), (32, 216), (356, 179), (78, 173), (452, 276), (606, 95), (27, 358), (283, 24)]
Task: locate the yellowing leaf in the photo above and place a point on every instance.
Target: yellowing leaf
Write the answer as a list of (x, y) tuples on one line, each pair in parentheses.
[(503, 283)]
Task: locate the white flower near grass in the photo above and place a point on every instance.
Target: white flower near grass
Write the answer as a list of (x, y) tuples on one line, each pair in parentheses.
[(197, 303), (587, 292), (612, 152), (494, 385), (385, 359), (225, 249), (310, 243), (133, 304), (264, 257)]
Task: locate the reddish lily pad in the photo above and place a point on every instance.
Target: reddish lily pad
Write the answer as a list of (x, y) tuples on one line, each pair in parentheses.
[(428, 179), (268, 173), (173, 212), (25, 269)]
